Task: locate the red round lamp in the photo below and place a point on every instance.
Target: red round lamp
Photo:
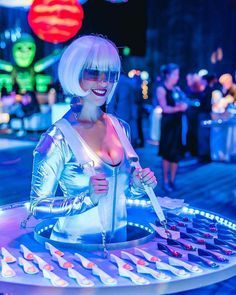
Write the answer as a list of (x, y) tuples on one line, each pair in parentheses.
[(55, 21)]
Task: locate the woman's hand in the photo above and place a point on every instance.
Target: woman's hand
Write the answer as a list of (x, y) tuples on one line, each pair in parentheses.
[(98, 187), (144, 177), (182, 106)]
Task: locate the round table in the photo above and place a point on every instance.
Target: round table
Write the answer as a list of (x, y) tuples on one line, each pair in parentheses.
[(140, 215)]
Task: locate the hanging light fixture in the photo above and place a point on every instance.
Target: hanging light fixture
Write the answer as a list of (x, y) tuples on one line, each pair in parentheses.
[(54, 21)]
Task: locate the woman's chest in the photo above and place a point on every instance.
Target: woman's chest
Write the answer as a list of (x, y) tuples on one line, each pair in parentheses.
[(103, 141)]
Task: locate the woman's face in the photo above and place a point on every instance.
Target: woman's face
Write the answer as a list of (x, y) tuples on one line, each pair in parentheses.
[(173, 77), (99, 84)]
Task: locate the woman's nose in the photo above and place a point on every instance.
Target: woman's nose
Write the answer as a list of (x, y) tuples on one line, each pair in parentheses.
[(104, 78), (103, 83)]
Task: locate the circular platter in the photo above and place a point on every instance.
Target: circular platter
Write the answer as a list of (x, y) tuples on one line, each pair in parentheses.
[(204, 253)]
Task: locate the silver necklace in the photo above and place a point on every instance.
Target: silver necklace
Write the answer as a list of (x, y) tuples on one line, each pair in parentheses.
[(76, 116)]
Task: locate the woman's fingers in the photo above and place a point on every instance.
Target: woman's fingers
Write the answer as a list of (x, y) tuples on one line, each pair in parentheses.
[(145, 172), (98, 176), (152, 184), (146, 176), (149, 181), (99, 182), (98, 187)]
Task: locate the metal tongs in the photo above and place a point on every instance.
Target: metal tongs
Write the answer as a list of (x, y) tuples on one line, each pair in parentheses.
[(163, 232)]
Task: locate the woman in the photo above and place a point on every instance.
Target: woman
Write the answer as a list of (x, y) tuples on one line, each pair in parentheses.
[(93, 206), (170, 148)]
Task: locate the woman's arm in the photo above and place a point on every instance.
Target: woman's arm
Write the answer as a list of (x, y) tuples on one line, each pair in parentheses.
[(161, 96), (49, 161)]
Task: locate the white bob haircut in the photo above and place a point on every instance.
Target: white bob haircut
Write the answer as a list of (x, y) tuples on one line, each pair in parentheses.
[(87, 52)]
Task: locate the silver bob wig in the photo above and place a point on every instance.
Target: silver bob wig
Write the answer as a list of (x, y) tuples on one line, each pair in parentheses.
[(89, 51)]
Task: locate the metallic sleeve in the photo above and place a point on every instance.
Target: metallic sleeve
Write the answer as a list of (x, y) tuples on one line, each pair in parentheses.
[(135, 192), (49, 161), (60, 206)]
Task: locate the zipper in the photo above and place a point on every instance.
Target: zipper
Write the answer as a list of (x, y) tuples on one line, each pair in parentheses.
[(114, 201)]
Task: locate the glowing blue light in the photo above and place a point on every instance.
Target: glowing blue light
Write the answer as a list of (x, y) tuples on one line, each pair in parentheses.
[(185, 209), (143, 202), (27, 205), (136, 202), (191, 211)]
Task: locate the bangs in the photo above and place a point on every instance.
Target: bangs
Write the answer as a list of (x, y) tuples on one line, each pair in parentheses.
[(104, 57)]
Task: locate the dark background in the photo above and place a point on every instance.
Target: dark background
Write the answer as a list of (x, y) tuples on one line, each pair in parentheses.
[(124, 23)]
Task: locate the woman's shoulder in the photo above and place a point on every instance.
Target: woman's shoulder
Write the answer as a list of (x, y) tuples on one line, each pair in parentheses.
[(121, 121), (123, 124), (55, 133), (50, 139), (161, 87)]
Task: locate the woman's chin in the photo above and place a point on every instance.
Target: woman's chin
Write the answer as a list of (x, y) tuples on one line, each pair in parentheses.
[(100, 102)]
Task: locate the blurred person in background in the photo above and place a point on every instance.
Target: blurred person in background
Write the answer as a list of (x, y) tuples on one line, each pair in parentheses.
[(26, 107), (123, 105), (205, 109), (224, 96), (170, 148), (228, 90), (228, 87), (194, 91), (4, 91)]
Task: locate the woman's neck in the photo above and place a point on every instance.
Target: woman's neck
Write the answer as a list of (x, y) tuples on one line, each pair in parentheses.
[(169, 85), (90, 113)]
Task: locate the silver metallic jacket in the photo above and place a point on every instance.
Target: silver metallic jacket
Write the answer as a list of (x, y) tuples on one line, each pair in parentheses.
[(79, 220)]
